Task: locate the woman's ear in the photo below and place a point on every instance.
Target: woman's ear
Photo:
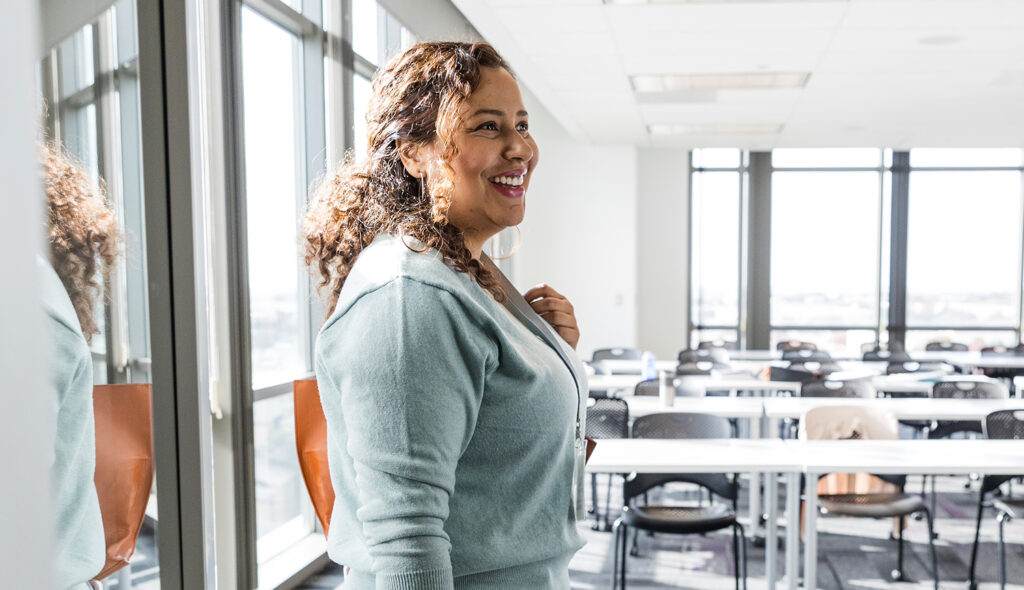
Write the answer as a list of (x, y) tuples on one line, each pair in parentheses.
[(414, 157)]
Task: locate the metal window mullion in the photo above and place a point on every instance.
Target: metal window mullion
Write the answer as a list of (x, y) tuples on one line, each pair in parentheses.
[(240, 371), (898, 226), (108, 144), (743, 262), (181, 426), (692, 239), (51, 92), (1020, 267), (348, 68), (759, 251)]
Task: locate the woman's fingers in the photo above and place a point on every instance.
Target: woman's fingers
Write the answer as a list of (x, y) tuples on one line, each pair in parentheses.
[(556, 310)]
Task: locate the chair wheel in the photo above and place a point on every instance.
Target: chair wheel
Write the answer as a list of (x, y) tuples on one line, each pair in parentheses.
[(919, 516), (634, 552), (972, 586), (896, 575)]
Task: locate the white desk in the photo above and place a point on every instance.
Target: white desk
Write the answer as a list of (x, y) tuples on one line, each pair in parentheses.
[(902, 408), (704, 456), (909, 457), (726, 407), (697, 382), (635, 367)]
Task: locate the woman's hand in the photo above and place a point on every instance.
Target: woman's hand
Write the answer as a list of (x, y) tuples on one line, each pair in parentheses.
[(556, 310)]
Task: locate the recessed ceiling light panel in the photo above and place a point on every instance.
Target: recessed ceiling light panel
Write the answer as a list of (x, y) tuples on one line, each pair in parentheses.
[(675, 83), (737, 129)]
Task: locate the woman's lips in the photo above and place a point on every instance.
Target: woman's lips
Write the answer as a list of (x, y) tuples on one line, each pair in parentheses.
[(512, 192)]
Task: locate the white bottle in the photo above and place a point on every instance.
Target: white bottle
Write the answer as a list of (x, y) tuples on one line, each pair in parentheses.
[(649, 369)]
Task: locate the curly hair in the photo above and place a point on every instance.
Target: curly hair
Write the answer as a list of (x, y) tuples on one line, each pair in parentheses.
[(83, 233), (416, 98)]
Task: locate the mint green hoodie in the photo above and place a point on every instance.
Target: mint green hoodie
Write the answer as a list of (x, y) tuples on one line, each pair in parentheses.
[(450, 433), (79, 541)]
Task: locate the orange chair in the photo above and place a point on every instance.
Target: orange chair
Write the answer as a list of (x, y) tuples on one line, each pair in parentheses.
[(311, 444), (124, 466)]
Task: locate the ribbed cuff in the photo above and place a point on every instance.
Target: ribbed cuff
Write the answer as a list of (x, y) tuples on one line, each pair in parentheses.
[(439, 579)]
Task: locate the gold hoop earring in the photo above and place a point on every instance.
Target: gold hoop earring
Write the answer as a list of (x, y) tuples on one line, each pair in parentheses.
[(514, 248)]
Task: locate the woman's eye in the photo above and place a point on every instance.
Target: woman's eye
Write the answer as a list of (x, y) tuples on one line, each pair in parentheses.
[(488, 126), (523, 127)]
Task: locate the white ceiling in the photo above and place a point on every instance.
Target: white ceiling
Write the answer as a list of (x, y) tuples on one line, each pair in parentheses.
[(884, 73)]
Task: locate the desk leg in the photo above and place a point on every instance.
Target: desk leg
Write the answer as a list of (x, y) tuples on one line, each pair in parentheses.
[(771, 537), (793, 530), (811, 532), (755, 486)]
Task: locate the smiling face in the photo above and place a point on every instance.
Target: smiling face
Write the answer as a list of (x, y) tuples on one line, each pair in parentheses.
[(496, 156)]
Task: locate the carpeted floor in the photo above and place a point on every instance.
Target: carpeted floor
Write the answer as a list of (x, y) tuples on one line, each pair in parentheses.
[(854, 554)]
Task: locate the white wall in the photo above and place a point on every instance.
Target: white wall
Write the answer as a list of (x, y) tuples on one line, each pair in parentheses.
[(27, 419), (662, 250), (579, 235)]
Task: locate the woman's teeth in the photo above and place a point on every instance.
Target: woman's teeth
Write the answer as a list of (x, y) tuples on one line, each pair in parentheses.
[(508, 180)]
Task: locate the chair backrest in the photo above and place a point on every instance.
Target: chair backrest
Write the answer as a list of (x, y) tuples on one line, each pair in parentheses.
[(943, 346), (839, 388), (680, 425), (1002, 425), (696, 368), (883, 354), (787, 374), (787, 345), (998, 351), (1005, 425), (124, 466), (970, 388), (723, 344), (621, 354), (608, 418), (815, 367), (848, 423), (647, 387), (716, 356), (311, 444), (899, 367), (803, 354), (852, 423)]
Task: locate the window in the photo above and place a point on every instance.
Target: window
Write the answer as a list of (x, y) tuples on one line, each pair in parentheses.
[(826, 222), (833, 225), (278, 302), (964, 245), (716, 210)]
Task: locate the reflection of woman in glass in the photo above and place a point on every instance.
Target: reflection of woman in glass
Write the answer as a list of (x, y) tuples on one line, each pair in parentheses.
[(83, 246), (453, 409)]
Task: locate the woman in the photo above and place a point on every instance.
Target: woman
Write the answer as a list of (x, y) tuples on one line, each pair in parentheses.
[(83, 240), (453, 433)]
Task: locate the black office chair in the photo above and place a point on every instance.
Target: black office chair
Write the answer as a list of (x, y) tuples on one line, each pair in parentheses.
[(962, 388), (1008, 425), (839, 388), (680, 520), (817, 368), (806, 355), (696, 368), (787, 345), (893, 355), (1002, 351), (943, 346), (719, 357), (606, 418), (866, 423), (647, 387), (718, 343), (616, 354)]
